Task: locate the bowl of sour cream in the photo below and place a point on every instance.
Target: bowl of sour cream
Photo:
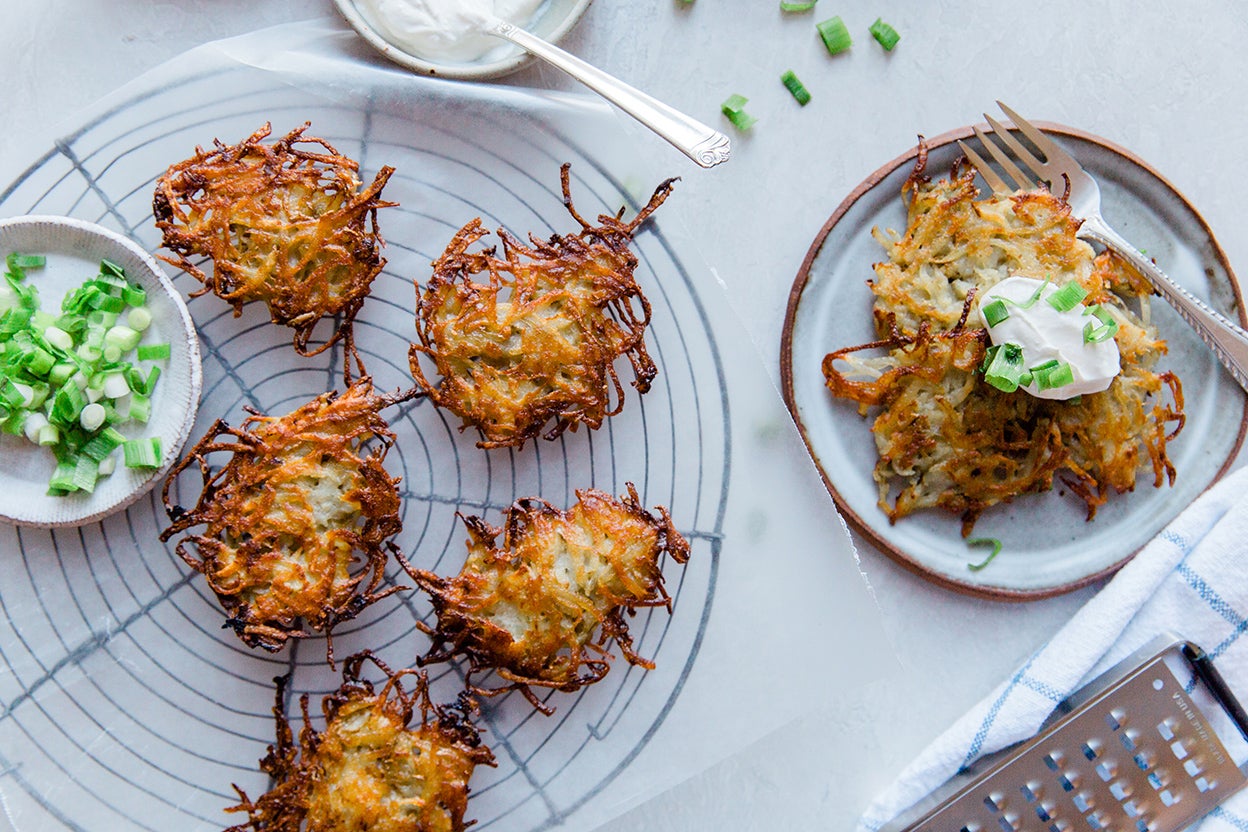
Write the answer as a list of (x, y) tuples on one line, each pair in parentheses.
[(445, 37)]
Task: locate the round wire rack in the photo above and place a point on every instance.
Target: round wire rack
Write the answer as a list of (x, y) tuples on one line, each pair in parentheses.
[(123, 702)]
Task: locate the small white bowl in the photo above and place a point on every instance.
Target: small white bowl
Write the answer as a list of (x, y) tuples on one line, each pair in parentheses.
[(74, 249), (553, 20)]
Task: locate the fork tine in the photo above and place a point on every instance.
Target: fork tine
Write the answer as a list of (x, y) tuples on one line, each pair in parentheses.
[(1024, 155), (985, 170), (1052, 150), (1003, 159)]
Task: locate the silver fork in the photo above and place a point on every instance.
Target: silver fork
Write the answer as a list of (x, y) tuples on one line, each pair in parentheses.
[(1061, 173)]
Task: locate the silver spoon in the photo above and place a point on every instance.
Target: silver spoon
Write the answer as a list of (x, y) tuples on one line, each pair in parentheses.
[(702, 144)]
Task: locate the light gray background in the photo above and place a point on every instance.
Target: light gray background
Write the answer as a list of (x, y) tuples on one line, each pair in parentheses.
[(1167, 81)]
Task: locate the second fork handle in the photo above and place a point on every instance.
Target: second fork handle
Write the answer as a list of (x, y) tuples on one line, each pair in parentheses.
[(1227, 339)]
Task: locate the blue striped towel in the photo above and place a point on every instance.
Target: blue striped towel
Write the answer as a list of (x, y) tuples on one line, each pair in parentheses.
[(1192, 579)]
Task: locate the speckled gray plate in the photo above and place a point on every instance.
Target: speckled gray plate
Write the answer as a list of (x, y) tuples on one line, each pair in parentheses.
[(74, 249), (1048, 547)]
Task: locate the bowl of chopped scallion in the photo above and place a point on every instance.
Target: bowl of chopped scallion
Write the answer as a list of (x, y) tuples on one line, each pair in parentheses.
[(99, 371)]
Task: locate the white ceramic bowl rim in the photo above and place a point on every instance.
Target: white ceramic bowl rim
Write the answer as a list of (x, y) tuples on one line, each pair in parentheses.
[(36, 511), (471, 71)]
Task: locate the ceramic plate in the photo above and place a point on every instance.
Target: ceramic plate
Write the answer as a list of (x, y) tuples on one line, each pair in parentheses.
[(74, 249), (1048, 546)]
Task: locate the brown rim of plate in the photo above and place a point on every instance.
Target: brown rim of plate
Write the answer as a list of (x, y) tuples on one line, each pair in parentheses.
[(786, 361)]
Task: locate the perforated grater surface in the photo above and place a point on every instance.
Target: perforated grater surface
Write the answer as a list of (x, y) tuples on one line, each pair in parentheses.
[(1132, 751)]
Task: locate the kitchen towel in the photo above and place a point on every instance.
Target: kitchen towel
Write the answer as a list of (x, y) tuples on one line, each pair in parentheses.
[(1191, 579)]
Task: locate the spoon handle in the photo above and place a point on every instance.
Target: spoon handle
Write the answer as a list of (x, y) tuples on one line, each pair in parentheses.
[(700, 143)]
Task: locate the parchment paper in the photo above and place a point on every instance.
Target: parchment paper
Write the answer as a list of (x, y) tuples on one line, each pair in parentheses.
[(123, 705)]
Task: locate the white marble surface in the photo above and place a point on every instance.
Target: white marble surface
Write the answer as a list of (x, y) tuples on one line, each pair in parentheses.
[(1166, 81)]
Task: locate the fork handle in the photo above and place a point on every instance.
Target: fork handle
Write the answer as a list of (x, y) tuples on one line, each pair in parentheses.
[(1228, 340)]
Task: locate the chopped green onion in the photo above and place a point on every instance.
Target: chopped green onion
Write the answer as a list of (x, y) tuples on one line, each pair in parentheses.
[(123, 337), (734, 108), (134, 296), (804, 6), (1059, 376), (17, 262), (49, 435), (103, 444), (1031, 301), (984, 541), (796, 87), (1052, 374), (62, 376), (92, 417), (142, 453), (1093, 334), (152, 352), (1003, 367), (995, 312), (139, 319), (1067, 297), (884, 34), (835, 35), (140, 408)]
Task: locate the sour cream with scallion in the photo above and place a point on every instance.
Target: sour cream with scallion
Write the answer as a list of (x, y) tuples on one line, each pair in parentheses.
[(445, 30), (1022, 311)]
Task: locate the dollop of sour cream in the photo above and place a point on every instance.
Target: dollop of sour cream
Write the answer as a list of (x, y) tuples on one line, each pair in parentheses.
[(1045, 334), (445, 30)]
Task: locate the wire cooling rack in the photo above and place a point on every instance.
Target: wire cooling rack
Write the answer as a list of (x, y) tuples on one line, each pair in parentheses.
[(123, 704)]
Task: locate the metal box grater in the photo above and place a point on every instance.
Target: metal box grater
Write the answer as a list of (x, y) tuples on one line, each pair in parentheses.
[(1132, 751)]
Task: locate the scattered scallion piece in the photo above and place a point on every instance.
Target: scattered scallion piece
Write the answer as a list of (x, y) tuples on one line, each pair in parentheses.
[(984, 541), (734, 108), (1031, 301), (884, 34), (796, 87), (805, 6), (835, 35), (1067, 297), (1003, 367), (1052, 374), (1108, 328), (995, 312)]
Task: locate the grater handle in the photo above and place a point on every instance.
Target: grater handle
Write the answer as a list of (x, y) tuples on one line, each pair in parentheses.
[(1203, 665)]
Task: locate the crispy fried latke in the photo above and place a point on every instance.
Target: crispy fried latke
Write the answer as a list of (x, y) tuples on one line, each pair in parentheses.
[(282, 222), (538, 340), (947, 438), (368, 771), (303, 498), (530, 608)]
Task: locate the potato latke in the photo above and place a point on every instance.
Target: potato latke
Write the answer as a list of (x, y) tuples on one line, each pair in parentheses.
[(947, 438), (283, 223), (368, 771), (285, 518), (538, 339), (540, 608)]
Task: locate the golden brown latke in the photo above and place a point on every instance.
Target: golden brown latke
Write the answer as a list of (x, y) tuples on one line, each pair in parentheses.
[(368, 771), (300, 502), (537, 341), (540, 608), (283, 223), (947, 438)]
